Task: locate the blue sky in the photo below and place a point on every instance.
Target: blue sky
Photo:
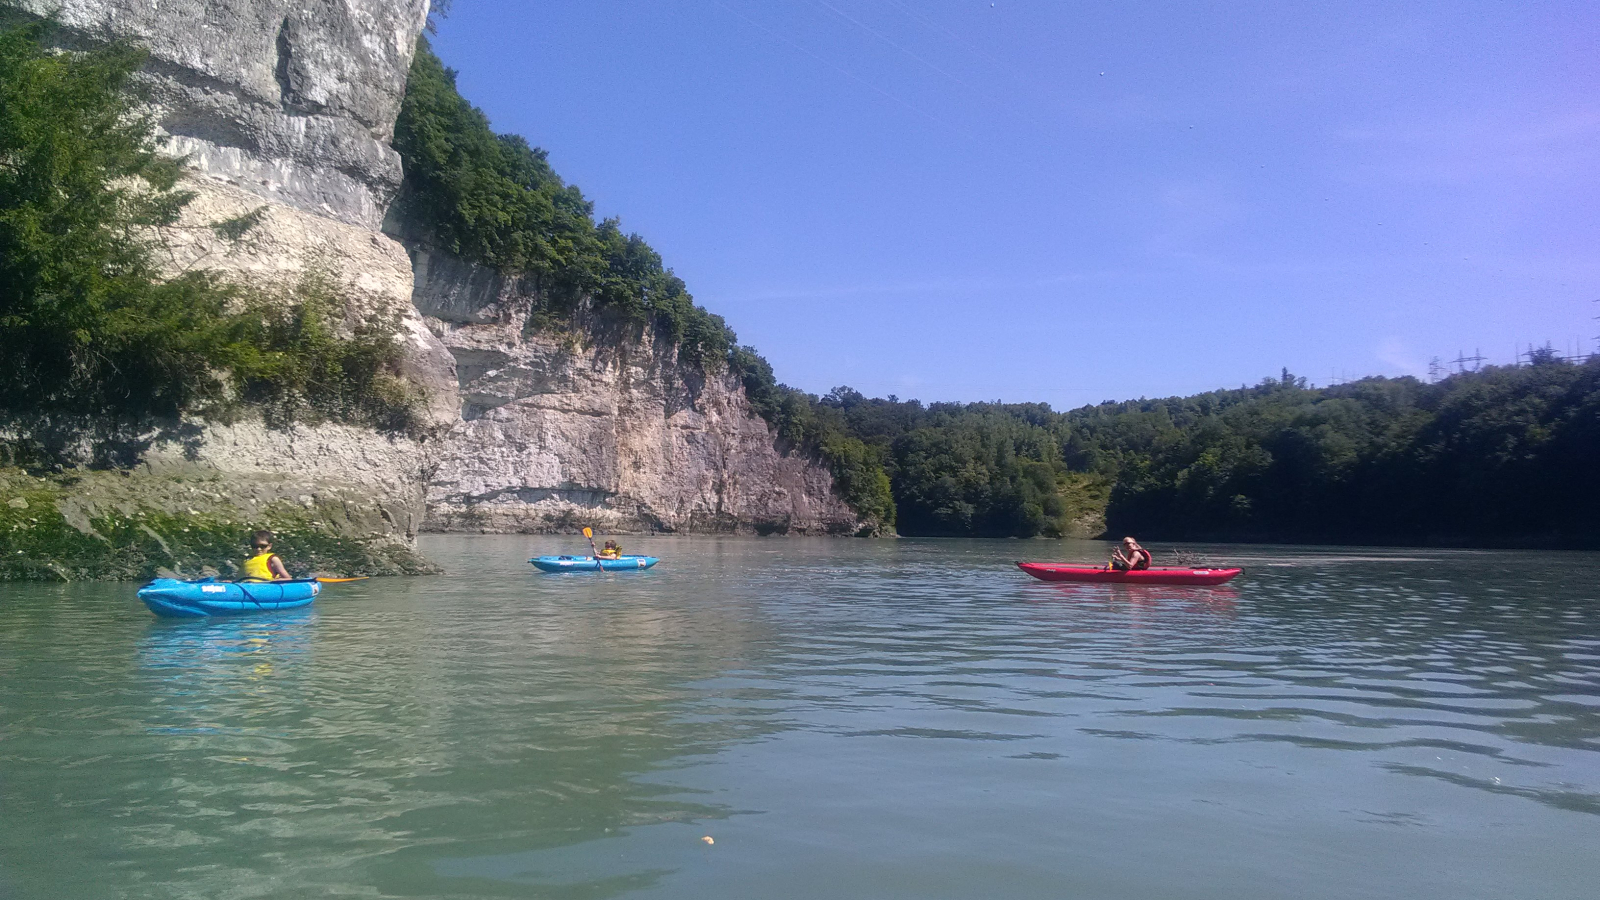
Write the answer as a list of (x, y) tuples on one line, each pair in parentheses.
[(1074, 202)]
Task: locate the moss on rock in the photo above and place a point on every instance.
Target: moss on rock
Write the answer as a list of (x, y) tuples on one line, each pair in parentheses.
[(114, 526)]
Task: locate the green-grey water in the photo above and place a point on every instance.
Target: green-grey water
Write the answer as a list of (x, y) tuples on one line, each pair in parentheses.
[(844, 718)]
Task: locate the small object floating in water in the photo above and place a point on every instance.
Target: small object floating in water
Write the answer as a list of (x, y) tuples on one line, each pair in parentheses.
[(1166, 575), (708, 839), (590, 564), (176, 599)]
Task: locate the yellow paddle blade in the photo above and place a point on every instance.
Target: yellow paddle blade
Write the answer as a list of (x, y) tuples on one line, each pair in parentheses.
[(588, 532), (341, 580)]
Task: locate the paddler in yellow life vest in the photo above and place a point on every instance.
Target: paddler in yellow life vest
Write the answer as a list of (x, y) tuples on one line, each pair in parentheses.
[(611, 551), (264, 565)]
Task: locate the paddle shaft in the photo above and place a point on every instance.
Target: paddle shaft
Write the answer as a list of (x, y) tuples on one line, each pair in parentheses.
[(589, 533), (319, 579)]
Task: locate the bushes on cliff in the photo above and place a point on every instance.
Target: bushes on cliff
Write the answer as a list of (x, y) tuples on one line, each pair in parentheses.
[(805, 421), (88, 327), (296, 362), (493, 199)]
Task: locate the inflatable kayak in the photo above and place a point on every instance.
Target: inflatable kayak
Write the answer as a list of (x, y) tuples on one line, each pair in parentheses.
[(1053, 572), (589, 563), (193, 599)]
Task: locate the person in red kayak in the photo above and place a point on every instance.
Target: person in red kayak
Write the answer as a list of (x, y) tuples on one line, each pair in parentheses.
[(1137, 557)]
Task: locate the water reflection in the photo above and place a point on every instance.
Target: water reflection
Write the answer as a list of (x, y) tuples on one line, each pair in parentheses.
[(860, 718), (203, 670), (214, 646), (1221, 600)]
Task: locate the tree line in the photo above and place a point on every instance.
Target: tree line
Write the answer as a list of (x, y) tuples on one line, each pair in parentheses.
[(1502, 456), (1496, 456), (90, 328)]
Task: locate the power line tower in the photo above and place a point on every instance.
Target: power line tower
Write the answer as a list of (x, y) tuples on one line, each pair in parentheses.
[(1436, 370), (1476, 359), (1537, 356)]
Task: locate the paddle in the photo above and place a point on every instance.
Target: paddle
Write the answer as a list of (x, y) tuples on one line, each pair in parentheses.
[(317, 578), (589, 533)]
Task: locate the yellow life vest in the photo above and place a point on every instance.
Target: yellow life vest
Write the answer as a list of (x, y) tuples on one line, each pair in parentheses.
[(257, 567)]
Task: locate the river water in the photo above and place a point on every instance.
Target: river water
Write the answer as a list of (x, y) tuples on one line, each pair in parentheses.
[(843, 718)]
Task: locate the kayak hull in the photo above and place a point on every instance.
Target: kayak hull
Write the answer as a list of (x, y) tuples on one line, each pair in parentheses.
[(1102, 575), (590, 564), (174, 599)]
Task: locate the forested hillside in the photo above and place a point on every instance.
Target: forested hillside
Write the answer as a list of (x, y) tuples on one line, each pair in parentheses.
[(1499, 456), (1502, 456)]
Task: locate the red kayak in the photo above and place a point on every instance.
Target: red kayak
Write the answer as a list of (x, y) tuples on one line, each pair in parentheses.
[(1053, 572)]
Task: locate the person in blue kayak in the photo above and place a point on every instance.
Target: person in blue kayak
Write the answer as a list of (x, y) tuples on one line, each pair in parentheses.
[(264, 565), (1137, 557), (611, 551)]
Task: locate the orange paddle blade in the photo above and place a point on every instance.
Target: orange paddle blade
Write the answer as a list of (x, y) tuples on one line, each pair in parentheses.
[(341, 580), (588, 532)]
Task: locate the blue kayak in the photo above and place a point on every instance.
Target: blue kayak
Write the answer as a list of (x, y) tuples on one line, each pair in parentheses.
[(589, 563), (209, 597)]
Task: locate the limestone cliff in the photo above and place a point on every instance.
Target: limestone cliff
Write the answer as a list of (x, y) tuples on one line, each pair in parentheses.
[(292, 101), (284, 111), (565, 429)]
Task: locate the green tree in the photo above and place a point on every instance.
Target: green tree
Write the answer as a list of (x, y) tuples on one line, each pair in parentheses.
[(88, 328), (85, 326)]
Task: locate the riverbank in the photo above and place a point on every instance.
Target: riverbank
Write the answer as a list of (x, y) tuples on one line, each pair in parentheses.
[(125, 525), (131, 524)]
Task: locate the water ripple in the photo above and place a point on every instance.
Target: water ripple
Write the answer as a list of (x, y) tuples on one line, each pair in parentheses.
[(857, 718)]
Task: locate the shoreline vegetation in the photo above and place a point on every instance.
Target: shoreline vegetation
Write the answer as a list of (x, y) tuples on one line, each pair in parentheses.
[(91, 333), (1502, 457), (97, 525)]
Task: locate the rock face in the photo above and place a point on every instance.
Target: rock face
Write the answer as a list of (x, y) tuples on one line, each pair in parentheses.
[(292, 101), (342, 501), (286, 111), (564, 430), (370, 271)]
